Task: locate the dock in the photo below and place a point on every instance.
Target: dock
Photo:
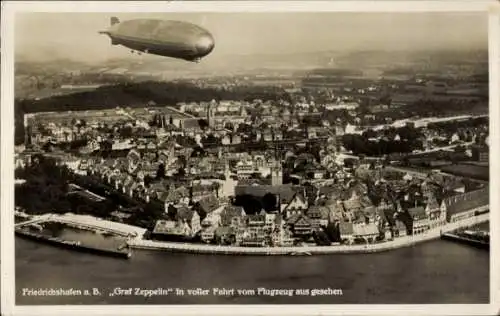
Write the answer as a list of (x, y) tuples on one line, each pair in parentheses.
[(122, 252), (475, 239), (84, 222)]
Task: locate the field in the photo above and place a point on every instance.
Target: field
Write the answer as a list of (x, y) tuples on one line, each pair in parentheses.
[(468, 170)]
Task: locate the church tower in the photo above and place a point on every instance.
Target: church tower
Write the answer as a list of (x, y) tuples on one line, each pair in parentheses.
[(276, 173), (211, 113)]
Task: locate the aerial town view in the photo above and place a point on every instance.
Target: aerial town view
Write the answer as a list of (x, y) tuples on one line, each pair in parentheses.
[(342, 162)]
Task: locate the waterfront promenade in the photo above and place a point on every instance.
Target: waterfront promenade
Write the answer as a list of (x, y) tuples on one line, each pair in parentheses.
[(308, 250), (136, 241)]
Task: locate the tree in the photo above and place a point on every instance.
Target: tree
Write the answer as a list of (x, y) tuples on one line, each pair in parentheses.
[(321, 238), (181, 172), (250, 204), (460, 149), (210, 140), (269, 203), (172, 212), (126, 132), (160, 173), (203, 124), (148, 180), (245, 128), (311, 193), (369, 134), (333, 232)]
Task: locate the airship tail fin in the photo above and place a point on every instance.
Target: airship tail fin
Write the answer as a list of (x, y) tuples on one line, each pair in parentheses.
[(114, 20)]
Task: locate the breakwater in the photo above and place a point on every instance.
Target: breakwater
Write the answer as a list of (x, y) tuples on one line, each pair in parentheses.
[(72, 245), (399, 242)]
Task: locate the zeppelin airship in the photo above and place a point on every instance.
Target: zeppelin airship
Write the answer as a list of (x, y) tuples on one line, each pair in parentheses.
[(175, 39)]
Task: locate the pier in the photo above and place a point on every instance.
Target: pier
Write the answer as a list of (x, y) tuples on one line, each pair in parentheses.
[(93, 223), (89, 223), (34, 220), (83, 222), (121, 252)]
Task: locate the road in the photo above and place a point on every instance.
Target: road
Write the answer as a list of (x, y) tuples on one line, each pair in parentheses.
[(445, 148)]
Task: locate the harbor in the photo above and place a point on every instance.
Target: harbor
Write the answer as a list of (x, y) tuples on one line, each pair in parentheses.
[(118, 239), (77, 233), (73, 245)]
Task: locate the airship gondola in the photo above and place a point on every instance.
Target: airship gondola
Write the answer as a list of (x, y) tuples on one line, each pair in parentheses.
[(175, 39)]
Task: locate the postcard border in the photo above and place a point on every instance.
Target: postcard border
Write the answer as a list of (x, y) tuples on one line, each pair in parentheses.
[(7, 151)]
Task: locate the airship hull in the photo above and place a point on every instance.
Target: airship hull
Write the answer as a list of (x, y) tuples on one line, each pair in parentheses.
[(174, 50), (164, 38)]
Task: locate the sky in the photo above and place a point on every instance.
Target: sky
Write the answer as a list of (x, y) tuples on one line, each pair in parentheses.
[(45, 36)]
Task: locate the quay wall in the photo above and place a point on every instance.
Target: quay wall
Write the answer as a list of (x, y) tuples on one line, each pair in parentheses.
[(399, 242)]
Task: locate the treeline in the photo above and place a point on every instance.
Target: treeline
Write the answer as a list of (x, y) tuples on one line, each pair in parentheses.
[(136, 95), (45, 188), (139, 94), (398, 71), (431, 107), (384, 142), (336, 72), (142, 214), (362, 146), (453, 126), (254, 205)]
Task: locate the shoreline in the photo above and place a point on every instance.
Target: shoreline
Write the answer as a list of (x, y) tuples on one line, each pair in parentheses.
[(136, 242), (399, 242)]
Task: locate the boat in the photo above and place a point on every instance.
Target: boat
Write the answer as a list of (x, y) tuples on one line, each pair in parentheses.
[(300, 253), (472, 239)]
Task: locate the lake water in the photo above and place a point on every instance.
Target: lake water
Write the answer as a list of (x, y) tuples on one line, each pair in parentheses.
[(434, 272)]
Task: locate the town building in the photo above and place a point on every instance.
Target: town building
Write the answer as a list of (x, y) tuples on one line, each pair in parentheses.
[(419, 221), (465, 205), (480, 153)]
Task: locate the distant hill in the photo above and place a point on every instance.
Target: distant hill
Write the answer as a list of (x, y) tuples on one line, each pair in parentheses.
[(292, 60), (26, 67), (139, 94)]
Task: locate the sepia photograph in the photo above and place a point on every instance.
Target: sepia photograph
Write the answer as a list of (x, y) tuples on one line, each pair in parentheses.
[(232, 157)]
